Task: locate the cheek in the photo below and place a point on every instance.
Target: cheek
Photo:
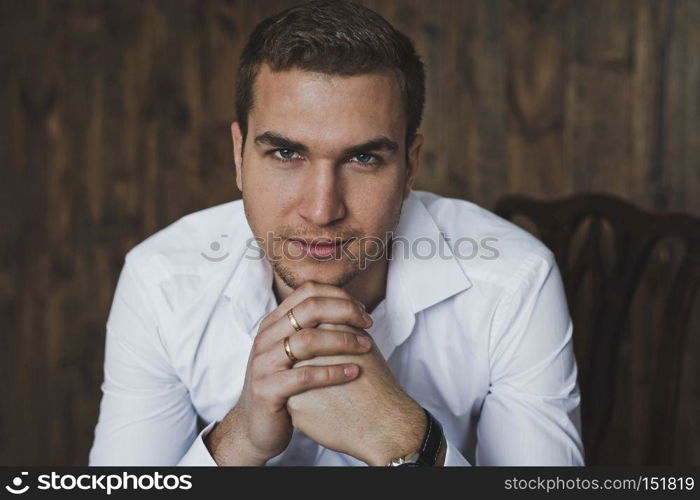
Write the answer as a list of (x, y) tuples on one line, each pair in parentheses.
[(377, 204), (268, 192), (262, 181)]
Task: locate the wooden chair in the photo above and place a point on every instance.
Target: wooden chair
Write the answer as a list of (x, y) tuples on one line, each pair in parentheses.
[(632, 280)]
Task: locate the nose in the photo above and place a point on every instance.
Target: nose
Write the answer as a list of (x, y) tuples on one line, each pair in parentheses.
[(322, 198)]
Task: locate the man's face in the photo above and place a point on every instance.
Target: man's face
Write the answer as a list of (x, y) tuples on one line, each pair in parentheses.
[(324, 160)]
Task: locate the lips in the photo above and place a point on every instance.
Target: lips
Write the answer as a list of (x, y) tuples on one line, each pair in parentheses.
[(319, 248)]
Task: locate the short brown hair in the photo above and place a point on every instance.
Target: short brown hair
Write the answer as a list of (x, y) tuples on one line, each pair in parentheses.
[(337, 38)]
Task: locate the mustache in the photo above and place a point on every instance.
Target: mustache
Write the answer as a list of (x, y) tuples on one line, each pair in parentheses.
[(307, 236)]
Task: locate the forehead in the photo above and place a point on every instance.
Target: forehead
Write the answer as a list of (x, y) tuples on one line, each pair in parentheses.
[(315, 107)]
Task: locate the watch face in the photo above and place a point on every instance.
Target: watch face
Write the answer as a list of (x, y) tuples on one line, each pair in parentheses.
[(411, 459)]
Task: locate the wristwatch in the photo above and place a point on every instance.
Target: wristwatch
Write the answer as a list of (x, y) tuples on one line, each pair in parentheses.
[(428, 452)]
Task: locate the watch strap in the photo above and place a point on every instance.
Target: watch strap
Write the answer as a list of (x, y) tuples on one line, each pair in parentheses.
[(432, 441)]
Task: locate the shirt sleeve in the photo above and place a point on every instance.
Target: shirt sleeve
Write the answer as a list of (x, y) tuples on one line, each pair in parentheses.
[(146, 416), (531, 413), (453, 458)]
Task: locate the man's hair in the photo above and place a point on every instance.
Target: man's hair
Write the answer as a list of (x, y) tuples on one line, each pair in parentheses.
[(336, 38)]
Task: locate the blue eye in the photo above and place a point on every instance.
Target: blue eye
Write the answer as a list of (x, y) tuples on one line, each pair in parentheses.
[(285, 154), (366, 156)]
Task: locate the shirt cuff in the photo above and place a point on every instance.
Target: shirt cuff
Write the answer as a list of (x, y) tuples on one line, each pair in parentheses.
[(198, 455), (453, 458)]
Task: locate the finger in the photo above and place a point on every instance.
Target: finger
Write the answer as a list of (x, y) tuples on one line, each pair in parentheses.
[(311, 342), (288, 383), (307, 289), (315, 310), (311, 312), (341, 327)]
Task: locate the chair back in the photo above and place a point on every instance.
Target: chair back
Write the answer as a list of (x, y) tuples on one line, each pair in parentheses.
[(631, 280)]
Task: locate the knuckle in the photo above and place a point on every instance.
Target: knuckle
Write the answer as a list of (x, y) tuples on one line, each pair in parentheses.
[(310, 288), (265, 322), (256, 362), (258, 392), (305, 375), (258, 341), (311, 302), (351, 308), (305, 336)]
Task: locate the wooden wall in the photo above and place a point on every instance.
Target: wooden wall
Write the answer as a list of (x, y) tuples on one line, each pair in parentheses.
[(114, 121)]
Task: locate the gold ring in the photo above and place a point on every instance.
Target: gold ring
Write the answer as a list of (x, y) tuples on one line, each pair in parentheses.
[(293, 320), (288, 350)]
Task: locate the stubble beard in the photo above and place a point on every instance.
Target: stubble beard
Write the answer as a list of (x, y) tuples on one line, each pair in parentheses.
[(293, 281)]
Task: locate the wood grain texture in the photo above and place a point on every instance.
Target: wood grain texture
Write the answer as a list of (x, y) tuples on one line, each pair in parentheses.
[(115, 122)]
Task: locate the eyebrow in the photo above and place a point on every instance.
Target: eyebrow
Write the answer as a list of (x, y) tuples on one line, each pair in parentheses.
[(381, 143)]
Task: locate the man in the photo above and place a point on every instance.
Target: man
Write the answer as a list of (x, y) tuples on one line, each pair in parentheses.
[(334, 316)]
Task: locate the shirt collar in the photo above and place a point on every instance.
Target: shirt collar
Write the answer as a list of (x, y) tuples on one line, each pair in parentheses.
[(250, 286), (423, 271)]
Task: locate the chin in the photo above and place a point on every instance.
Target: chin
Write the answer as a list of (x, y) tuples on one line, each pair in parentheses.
[(330, 273)]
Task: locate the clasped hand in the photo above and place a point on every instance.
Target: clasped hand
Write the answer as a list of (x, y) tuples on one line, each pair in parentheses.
[(340, 392)]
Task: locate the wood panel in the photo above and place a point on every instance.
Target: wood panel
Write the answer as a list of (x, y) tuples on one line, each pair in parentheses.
[(115, 122)]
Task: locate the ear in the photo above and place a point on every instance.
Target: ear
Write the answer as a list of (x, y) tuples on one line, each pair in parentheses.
[(412, 164), (237, 140)]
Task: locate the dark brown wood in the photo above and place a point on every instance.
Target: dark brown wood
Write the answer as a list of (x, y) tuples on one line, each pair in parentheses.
[(625, 421), (114, 122)]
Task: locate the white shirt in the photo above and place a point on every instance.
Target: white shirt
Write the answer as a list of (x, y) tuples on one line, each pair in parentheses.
[(478, 333)]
